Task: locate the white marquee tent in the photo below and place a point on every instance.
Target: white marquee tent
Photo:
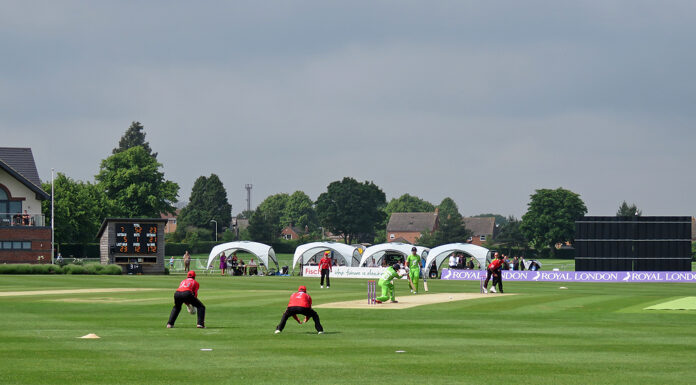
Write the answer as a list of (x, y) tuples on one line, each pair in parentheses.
[(439, 253), (263, 252), (303, 253), (378, 251)]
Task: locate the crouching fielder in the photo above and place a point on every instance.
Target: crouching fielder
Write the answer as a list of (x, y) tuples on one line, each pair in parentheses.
[(187, 293), (300, 303), (385, 282)]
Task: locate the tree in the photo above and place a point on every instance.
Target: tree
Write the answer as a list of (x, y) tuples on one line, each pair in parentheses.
[(208, 202), (351, 208), (134, 136), (79, 209), (448, 208), (265, 223), (299, 211), (262, 227), (451, 227), (551, 217), (408, 204), (134, 185), (628, 211), (511, 235)]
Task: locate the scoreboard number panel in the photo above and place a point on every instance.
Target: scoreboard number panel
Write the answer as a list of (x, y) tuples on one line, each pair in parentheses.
[(132, 238)]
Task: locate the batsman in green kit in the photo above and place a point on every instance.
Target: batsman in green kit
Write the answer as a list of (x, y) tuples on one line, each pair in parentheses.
[(413, 264), (386, 284)]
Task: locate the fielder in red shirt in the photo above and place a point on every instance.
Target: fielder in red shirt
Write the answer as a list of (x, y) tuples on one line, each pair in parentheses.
[(325, 268), (187, 293), (494, 270), (300, 303)]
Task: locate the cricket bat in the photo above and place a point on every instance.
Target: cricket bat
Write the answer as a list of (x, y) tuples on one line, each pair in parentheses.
[(425, 285)]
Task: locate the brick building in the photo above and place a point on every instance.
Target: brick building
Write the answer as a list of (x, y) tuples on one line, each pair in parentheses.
[(24, 234), (407, 227), (483, 229)]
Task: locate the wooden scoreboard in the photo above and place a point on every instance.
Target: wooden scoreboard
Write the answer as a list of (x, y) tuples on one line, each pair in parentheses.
[(137, 244)]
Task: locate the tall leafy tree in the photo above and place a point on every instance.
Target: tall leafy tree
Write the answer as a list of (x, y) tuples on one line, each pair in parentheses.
[(626, 210), (451, 227), (135, 186), (511, 235), (265, 223), (208, 202), (551, 216), (448, 208), (408, 204), (79, 209), (134, 136), (299, 211), (352, 209)]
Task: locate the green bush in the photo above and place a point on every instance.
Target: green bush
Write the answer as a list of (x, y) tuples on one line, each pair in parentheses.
[(75, 269), (91, 268)]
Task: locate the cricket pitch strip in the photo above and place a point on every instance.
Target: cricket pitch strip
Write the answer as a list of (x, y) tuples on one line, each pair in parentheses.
[(408, 301)]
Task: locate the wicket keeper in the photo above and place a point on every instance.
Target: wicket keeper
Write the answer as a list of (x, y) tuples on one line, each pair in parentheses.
[(414, 265), (187, 293), (385, 282)]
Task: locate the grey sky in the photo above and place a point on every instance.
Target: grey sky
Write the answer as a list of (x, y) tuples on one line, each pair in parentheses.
[(483, 101)]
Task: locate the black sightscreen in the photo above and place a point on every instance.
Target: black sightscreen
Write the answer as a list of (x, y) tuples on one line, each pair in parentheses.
[(633, 244)]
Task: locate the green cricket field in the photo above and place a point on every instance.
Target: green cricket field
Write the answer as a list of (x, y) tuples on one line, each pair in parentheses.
[(582, 334)]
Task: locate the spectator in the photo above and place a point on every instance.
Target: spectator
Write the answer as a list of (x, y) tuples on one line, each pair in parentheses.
[(59, 260), (252, 267), (453, 261), (187, 261), (171, 263), (522, 266), (470, 264), (515, 263), (241, 268), (223, 263)]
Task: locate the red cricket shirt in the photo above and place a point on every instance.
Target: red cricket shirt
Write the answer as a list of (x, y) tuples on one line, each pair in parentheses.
[(189, 284), (300, 299), (325, 263)]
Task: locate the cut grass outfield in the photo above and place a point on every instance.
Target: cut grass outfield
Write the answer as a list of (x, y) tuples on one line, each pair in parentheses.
[(587, 334)]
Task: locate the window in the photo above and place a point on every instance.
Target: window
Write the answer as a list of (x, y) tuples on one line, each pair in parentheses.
[(26, 245), (483, 237), (469, 239), (392, 236), (17, 245)]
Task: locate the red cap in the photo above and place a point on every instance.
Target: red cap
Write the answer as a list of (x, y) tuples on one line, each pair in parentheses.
[(191, 274), (302, 288), (327, 252)]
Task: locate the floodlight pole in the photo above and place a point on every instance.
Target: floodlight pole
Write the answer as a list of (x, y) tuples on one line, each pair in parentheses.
[(213, 220), (53, 226)]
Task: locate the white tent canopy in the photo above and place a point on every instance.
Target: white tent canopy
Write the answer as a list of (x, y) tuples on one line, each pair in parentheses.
[(439, 253), (263, 252), (349, 253), (378, 251)]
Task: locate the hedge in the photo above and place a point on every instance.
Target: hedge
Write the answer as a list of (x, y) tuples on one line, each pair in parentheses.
[(91, 268)]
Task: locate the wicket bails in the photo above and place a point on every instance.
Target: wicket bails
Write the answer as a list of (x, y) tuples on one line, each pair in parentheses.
[(371, 292)]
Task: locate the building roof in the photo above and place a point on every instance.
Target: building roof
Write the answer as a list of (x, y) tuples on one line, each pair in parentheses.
[(19, 162), (412, 222), (480, 225)]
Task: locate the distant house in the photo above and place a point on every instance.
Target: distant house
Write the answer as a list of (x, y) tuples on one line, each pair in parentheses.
[(407, 227), (24, 234), (170, 226), (483, 229), (293, 233)]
